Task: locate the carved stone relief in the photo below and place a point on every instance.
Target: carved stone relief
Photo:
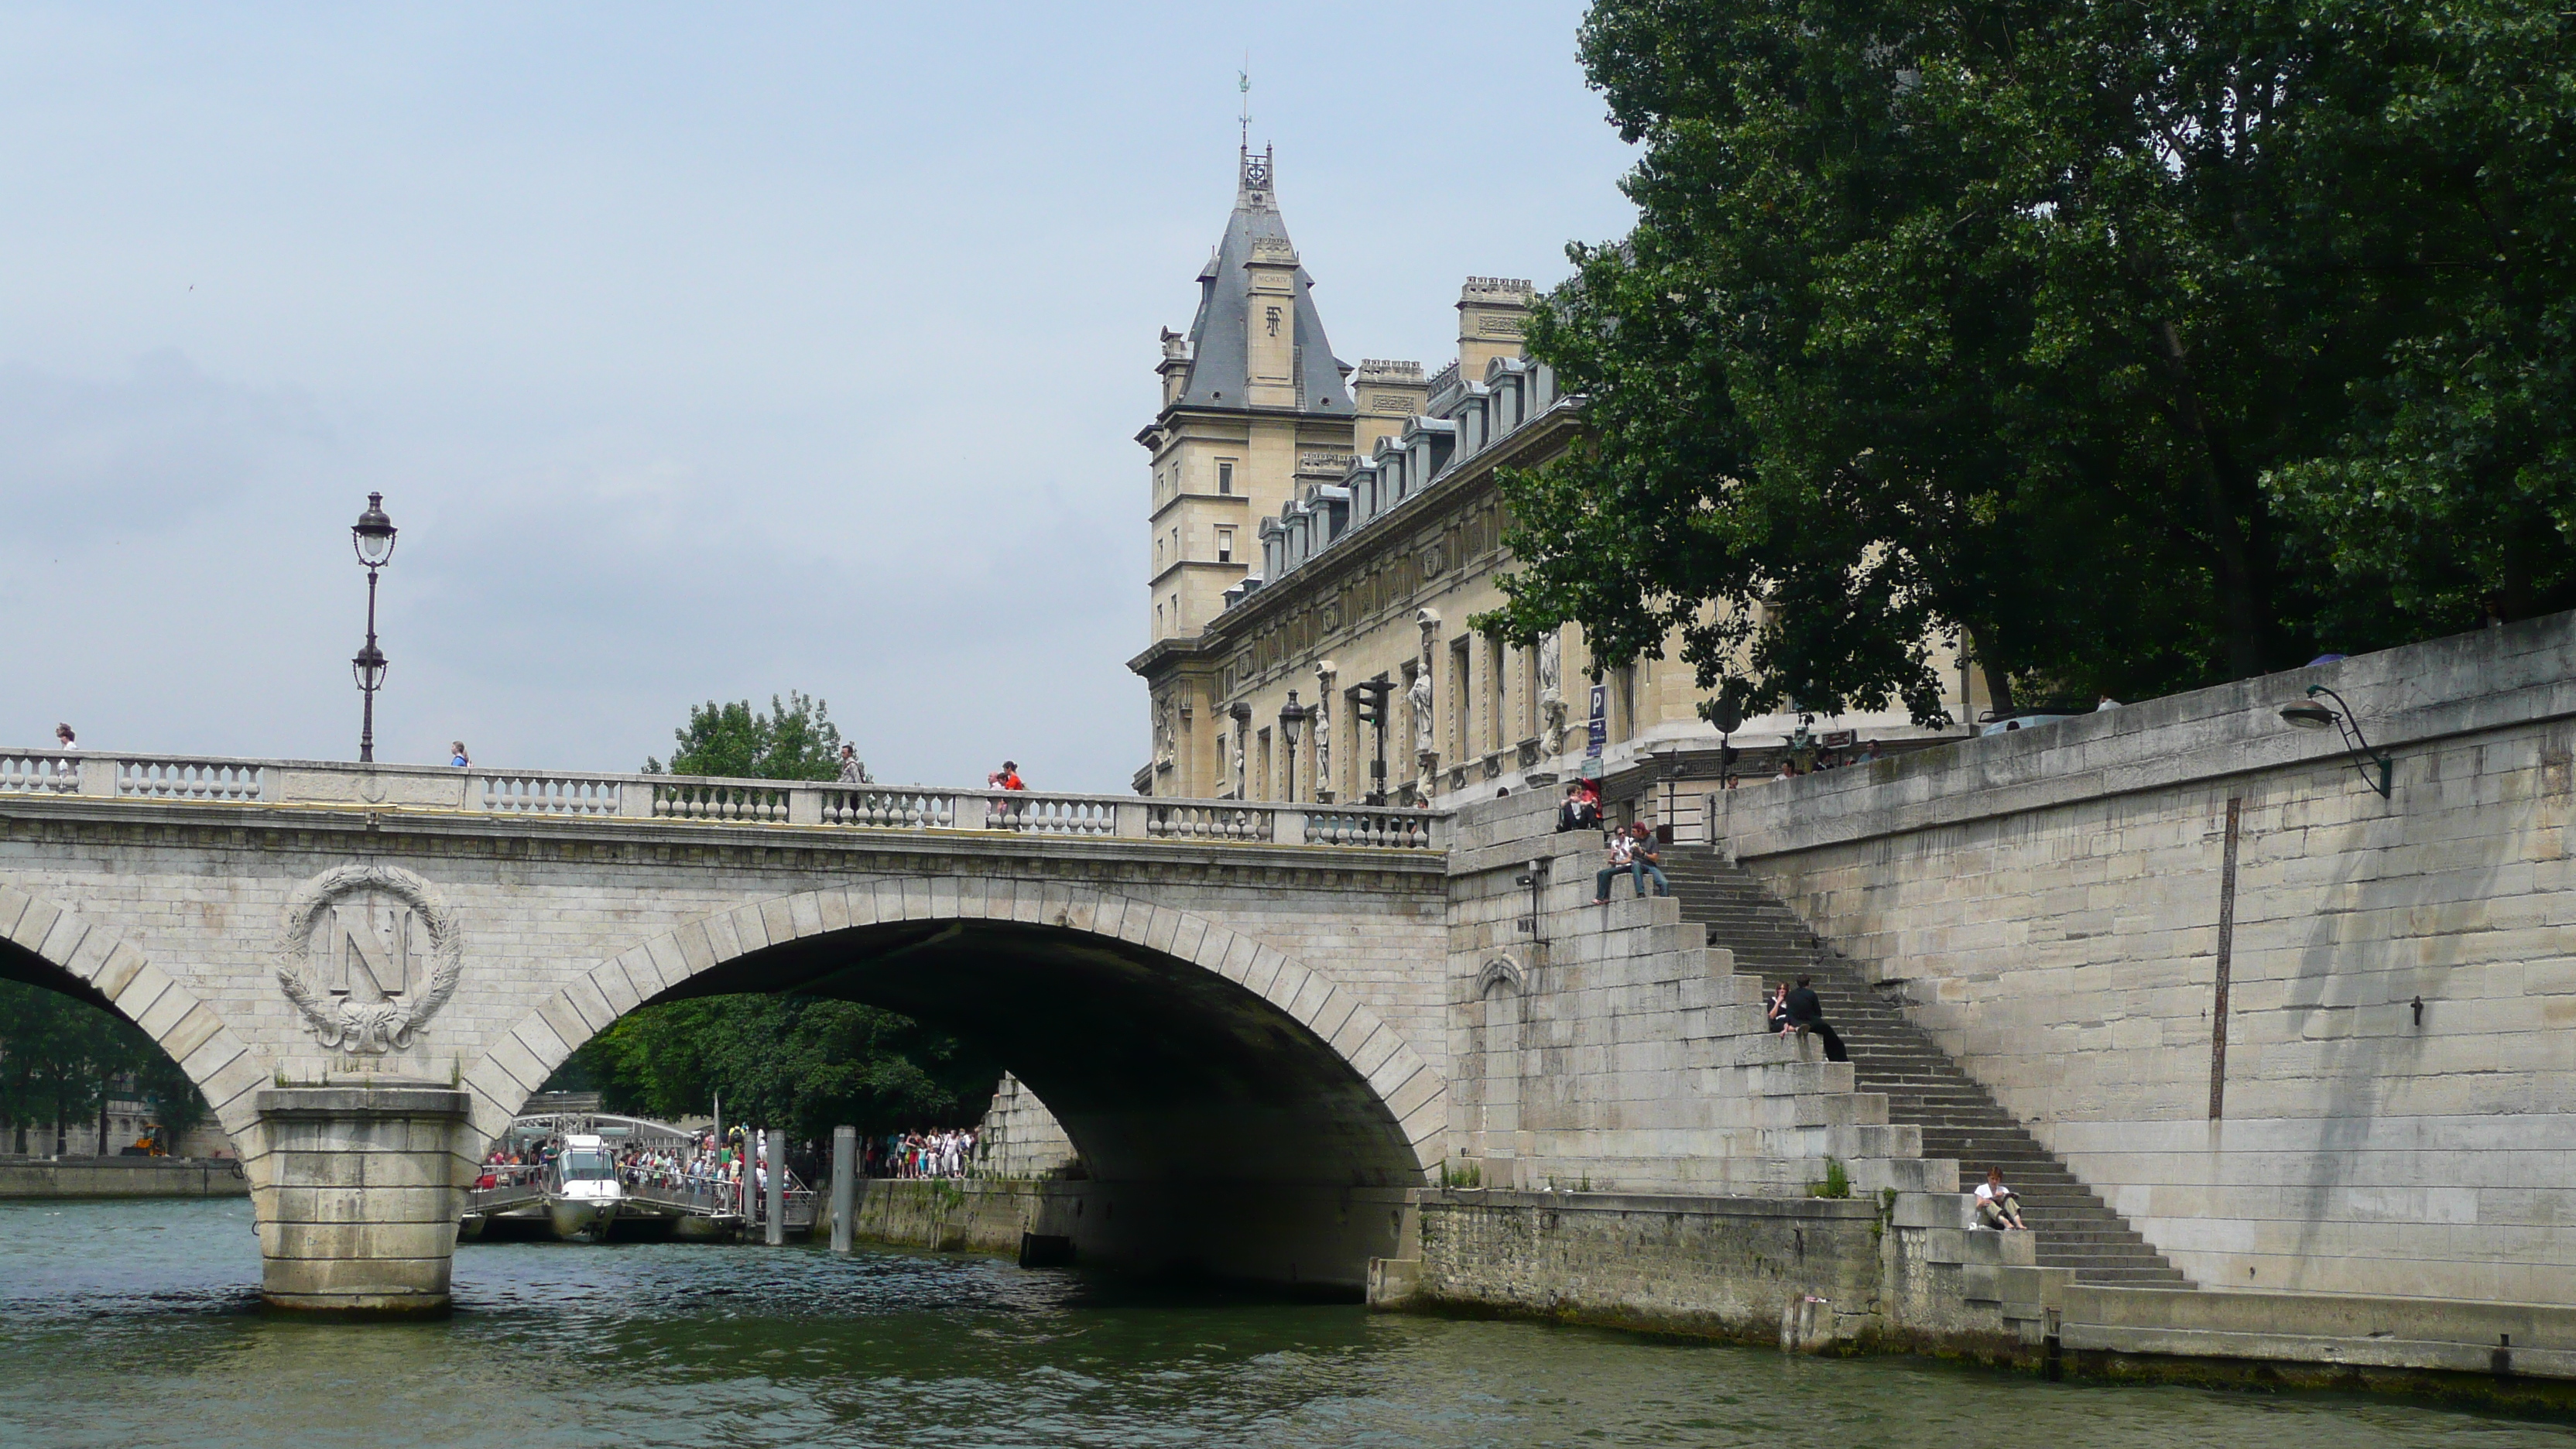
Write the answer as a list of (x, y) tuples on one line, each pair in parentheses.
[(368, 954)]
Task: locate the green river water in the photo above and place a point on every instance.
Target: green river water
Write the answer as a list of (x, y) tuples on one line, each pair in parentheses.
[(136, 1323)]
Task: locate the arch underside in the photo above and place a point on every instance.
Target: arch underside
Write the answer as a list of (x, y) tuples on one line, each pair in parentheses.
[(1159, 1070)]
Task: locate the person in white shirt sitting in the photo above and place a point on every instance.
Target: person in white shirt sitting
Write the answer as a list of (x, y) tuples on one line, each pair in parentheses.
[(1997, 1208)]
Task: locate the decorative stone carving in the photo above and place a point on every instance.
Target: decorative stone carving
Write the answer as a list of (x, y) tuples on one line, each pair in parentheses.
[(1502, 971), (1551, 690), (1325, 672), (368, 954), (1417, 698)]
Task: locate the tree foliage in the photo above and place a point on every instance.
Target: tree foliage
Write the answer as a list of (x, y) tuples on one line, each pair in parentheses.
[(2149, 344), (59, 1058), (794, 739), (800, 1062)]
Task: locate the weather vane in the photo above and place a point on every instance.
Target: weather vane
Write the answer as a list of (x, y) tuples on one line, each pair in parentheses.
[(1243, 83)]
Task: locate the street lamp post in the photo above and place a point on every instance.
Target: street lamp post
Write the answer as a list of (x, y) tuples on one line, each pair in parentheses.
[(1291, 717), (373, 536), (2377, 769)]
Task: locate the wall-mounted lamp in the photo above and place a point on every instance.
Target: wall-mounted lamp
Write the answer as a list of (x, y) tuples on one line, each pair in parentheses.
[(2314, 716)]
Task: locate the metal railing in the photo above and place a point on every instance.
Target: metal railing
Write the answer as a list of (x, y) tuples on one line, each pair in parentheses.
[(824, 805)]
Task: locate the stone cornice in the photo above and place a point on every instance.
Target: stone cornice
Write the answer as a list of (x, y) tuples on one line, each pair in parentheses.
[(380, 831)]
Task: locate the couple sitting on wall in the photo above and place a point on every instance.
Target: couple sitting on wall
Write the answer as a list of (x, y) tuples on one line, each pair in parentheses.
[(1631, 850)]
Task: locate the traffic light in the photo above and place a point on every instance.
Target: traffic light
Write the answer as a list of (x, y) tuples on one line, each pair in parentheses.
[(1369, 698)]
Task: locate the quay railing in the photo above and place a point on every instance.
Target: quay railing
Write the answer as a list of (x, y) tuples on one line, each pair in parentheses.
[(829, 805)]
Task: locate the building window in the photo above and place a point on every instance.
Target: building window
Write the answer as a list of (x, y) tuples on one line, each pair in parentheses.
[(1261, 759), (1497, 694), (1158, 555), (1225, 545), (1461, 704), (1225, 477)]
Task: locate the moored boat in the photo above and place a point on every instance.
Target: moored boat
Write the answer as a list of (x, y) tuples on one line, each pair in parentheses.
[(583, 1194)]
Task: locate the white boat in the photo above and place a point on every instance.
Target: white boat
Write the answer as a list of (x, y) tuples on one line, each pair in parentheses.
[(583, 1194)]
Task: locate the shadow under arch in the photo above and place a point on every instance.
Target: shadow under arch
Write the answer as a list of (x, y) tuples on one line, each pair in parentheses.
[(1202, 1074), (47, 945)]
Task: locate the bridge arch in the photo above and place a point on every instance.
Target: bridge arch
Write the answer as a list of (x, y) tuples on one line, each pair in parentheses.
[(1159, 1037), (45, 943)]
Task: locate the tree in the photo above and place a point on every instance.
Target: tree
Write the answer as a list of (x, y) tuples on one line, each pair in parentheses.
[(794, 739), (2019, 320), (804, 1063), (60, 1059)]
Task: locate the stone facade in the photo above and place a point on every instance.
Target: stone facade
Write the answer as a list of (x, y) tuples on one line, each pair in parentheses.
[(1306, 545), (2391, 1103)]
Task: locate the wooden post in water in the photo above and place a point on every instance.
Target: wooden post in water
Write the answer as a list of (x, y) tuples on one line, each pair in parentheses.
[(777, 1186), (845, 1182)]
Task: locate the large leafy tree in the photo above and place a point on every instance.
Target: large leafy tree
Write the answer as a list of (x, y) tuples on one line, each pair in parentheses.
[(2018, 319), (61, 1058), (802, 1062), (794, 739)]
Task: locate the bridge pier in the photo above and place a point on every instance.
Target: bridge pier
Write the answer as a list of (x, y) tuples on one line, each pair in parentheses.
[(357, 1191)]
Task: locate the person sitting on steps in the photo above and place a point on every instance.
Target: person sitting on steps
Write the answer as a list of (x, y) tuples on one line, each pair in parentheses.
[(1997, 1208), (1644, 861), (1623, 857), (1777, 1013), (1809, 1015)]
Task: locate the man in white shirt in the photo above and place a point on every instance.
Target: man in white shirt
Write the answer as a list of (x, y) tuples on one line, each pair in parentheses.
[(1997, 1208)]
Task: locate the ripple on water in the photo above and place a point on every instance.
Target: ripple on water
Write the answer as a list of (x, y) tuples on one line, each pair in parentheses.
[(137, 1324)]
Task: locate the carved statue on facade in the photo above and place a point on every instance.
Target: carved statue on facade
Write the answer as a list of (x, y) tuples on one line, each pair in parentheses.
[(1551, 690), (1323, 728), (1417, 698), (1242, 725)]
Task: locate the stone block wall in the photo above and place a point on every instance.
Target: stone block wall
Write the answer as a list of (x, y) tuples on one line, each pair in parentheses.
[(1019, 1138), (1611, 1049), (2050, 902)]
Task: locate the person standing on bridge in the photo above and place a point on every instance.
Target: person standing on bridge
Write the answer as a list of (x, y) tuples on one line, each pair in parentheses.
[(64, 741), (1008, 778), (1808, 1014), (461, 760), (852, 772)]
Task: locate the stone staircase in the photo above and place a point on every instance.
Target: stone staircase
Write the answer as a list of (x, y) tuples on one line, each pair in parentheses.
[(1924, 1087)]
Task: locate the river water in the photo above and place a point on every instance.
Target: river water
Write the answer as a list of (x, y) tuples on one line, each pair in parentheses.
[(137, 1323)]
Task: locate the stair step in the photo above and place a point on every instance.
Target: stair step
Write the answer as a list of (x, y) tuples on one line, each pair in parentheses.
[(1924, 1086)]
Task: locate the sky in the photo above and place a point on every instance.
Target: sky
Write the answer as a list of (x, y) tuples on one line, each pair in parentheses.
[(699, 353)]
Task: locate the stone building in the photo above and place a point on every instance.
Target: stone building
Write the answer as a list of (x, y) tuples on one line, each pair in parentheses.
[(1319, 528)]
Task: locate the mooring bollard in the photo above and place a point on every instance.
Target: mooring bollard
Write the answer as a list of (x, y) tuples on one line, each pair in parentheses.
[(845, 1183)]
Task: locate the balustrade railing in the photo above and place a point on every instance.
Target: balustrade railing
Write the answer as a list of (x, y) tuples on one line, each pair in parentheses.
[(191, 779), (549, 795), (23, 772), (828, 805), (709, 800)]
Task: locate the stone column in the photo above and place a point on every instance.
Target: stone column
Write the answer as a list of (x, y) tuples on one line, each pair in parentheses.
[(845, 1185), (357, 1192)]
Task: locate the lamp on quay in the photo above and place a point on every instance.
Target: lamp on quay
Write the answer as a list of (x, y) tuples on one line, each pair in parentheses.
[(1291, 717), (373, 537), (2310, 715)]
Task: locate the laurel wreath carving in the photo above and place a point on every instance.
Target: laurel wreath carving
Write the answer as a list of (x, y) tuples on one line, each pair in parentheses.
[(373, 1026)]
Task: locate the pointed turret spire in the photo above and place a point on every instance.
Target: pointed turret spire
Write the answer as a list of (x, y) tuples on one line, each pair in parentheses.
[(1257, 341)]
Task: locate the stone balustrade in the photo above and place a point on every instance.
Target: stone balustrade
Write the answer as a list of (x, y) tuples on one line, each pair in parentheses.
[(829, 805)]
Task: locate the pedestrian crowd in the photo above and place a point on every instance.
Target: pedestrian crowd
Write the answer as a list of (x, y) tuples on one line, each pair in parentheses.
[(940, 1152)]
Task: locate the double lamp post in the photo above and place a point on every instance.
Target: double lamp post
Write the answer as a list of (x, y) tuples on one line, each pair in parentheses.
[(373, 537)]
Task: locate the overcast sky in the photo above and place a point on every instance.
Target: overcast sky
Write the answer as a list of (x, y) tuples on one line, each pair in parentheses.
[(698, 352)]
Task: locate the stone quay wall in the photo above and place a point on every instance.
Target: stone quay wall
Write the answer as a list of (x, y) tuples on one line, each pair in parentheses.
[(121, 1177), (1612, 1049), (2391, 1107)]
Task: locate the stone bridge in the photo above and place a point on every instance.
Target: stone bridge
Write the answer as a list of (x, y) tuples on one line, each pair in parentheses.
[(368, 969)]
